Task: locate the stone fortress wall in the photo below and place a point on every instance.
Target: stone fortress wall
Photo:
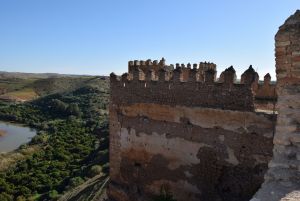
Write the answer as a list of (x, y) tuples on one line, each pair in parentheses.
[(183, 130)]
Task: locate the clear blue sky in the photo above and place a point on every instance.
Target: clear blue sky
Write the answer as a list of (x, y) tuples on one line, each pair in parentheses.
[(100, 36)]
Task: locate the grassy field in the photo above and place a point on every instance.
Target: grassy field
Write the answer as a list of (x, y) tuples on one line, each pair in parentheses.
[(15, 84)]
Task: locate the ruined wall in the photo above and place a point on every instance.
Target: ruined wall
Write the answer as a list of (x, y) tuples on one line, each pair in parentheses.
[(284, 173), (199, 139), (265, 94)]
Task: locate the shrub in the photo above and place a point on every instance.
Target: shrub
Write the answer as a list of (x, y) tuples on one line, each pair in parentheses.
[(5, 197), (76, 181), (95, 170), (21, 198), (53, 194)]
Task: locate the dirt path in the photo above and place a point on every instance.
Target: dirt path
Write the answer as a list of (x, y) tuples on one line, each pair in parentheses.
[(293, 196), (92, 190)]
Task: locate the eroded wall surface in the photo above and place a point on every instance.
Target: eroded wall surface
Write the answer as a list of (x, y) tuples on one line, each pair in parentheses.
[(166, 135)]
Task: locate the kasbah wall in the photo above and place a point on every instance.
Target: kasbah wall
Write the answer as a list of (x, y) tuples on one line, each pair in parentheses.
[(200, 138)]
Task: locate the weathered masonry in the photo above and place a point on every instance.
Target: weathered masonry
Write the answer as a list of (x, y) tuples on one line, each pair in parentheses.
[(283, 175), (183, 131)]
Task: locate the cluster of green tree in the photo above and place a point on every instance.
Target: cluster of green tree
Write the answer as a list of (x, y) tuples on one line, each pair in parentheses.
[(73, 136)]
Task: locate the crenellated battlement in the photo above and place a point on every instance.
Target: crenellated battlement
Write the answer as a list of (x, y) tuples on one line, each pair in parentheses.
[(189, 85), (162, 63), (184, 85), (146, 71), (265, 90)]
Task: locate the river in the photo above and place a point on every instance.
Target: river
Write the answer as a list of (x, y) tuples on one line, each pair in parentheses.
[(14, 135)]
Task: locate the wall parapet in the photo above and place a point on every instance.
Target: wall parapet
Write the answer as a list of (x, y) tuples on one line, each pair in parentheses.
[(266, 90), (191, 85), (183, 86)]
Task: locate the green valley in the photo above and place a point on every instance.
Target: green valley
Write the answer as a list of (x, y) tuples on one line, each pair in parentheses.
[(71, 146)]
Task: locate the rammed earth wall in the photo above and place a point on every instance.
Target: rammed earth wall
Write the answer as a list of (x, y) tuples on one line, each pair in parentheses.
[(198, 139)]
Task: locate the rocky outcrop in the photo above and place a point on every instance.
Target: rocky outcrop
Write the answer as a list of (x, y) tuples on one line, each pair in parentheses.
[(283, 175)]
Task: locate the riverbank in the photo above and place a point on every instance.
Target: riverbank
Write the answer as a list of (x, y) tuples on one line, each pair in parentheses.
[(9, 159), (15, 123), (2, 132)]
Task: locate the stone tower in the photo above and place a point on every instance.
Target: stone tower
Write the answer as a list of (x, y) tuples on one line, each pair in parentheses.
[(283, 175)]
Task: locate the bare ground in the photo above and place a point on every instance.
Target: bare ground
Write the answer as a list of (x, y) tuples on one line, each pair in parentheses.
[(93, 189)]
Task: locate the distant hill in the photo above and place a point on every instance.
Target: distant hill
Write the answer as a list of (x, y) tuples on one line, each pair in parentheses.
[(4, 74), (62, 84), (20, 87)]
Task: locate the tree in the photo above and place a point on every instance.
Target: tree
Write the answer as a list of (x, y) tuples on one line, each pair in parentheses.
[(58, 106), (76, 181), (53, 194), (5, 197), (24, 190), (95, 170), (73, 109), (3, 185), (21, 198)]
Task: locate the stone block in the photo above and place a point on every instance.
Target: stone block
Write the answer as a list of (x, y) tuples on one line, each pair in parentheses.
[(282, 43)]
